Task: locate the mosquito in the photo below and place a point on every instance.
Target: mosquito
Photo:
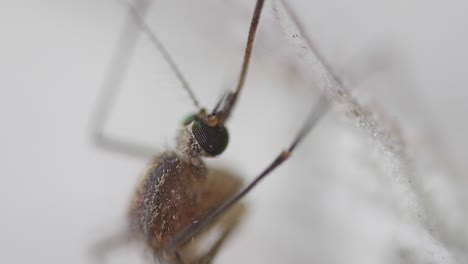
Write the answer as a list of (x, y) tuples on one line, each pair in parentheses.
[(179, 198)]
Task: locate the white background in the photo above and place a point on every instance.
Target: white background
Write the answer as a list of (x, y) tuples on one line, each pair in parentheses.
[(59, 194)]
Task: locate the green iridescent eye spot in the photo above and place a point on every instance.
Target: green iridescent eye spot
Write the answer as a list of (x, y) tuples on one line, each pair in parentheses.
[(213, 140), (189, 119)]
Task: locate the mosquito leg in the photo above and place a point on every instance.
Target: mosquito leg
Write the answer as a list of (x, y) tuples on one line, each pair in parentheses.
[(102, 248), (220, 184), (234, 217), (205, 220), (118, 66), (134, 25)]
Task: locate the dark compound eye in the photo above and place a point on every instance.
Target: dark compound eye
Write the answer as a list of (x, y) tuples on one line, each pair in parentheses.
[(213, 140)]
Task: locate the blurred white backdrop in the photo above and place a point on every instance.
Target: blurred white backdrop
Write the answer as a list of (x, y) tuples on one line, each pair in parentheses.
[(333, 202)]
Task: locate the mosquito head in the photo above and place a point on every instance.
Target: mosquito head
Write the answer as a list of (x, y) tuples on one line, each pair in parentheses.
[(203, 135)]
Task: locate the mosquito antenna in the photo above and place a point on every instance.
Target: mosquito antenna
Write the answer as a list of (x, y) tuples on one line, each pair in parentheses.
[(205, 220), (231, 98), (139, 19)]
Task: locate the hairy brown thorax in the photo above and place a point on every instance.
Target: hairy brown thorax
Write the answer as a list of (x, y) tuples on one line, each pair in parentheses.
[(170, 186)]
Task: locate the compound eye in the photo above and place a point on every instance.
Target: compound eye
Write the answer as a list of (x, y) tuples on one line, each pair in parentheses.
[(213, 140)]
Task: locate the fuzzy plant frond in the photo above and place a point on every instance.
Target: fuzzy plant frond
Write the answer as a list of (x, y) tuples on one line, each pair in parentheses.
[(439, 240)]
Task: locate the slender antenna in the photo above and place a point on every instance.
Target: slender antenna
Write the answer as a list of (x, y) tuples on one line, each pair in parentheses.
[(232, 97), (140, 21), (205, 220)]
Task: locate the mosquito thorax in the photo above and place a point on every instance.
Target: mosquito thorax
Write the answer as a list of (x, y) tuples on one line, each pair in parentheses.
[(202, 136)]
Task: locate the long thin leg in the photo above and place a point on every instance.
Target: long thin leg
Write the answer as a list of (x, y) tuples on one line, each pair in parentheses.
[(208, 218), (102, 248), (231, 222), (118, 67), (208, 257)]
